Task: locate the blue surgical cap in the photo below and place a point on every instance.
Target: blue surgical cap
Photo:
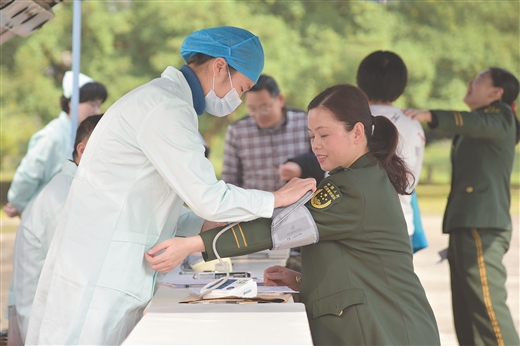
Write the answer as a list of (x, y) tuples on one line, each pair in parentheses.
[(241, 49)]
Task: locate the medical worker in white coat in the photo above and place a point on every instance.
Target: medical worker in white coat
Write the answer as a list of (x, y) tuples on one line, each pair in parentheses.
[(35, 233), (51, 146), (143, 161)]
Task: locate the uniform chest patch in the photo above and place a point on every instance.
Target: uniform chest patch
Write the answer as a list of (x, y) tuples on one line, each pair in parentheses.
[(328, 195)]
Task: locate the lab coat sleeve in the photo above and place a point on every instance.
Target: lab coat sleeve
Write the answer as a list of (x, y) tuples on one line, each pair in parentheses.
[(189, 223), (169, 139), (232, 166), (31, 250), (43, 154)]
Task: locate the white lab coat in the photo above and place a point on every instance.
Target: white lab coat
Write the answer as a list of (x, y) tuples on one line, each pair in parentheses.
[(143, 160), (34, 238), (48, 148), (411, 149)]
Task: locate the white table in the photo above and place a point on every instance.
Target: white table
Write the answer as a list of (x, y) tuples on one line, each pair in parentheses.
[(167, 322)]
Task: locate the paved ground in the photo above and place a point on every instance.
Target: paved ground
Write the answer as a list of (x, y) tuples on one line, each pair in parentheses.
[(434, 276)]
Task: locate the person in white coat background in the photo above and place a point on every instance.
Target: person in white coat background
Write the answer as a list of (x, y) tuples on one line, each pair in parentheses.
[(35, 233), (145, 160), (49, 147)]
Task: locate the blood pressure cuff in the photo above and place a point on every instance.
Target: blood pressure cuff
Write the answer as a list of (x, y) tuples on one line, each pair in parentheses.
[(293, 226)]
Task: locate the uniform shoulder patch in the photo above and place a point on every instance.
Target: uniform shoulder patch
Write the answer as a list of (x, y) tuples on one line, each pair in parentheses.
[(492, 109), (326, 196)]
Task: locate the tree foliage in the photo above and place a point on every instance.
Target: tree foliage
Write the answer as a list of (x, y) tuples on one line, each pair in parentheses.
[(309, 45)]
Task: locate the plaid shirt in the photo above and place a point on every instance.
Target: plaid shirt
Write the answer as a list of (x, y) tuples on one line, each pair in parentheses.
[(252, 155)]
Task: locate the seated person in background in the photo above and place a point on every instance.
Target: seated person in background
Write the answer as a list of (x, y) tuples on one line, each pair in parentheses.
[(357, 282), (35, 233), (259, 143), (51, 146)]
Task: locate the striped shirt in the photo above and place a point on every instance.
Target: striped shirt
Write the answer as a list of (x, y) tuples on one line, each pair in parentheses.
[(252, 155)]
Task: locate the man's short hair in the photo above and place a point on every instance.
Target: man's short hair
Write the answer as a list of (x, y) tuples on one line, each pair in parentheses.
[(382, 75), (268, 83), (85, 130)]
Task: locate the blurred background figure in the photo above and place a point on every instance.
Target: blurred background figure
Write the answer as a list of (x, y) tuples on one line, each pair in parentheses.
[(259, 143), (35, 233), (49, 147), (383, 76), (477, 215)]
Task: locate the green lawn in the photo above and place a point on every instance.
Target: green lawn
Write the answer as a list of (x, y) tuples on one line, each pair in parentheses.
[(8, 229)]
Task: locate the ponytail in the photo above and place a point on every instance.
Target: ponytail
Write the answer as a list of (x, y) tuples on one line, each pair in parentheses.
[(382, 144)]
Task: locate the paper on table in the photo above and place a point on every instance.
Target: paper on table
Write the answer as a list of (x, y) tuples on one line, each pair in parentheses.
[(187, 280), (261, 290), (261, 298)]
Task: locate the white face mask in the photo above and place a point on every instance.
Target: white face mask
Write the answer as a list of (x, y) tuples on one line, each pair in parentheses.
[(221, 107)]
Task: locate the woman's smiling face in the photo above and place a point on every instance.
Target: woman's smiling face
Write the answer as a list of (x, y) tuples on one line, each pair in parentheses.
[(330, 141)]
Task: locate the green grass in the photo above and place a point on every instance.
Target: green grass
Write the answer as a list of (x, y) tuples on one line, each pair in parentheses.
[(6, 176), (8, 229)]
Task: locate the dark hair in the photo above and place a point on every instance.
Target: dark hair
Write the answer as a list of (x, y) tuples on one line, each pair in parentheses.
[(382, 76), (84, 131), (268, 83), (201, 58), (349, 105), (504, 79), (89, 92)]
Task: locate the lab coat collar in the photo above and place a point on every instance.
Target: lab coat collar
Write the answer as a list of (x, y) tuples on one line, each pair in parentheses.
[(64, 117), (69, 168), (199, 102)]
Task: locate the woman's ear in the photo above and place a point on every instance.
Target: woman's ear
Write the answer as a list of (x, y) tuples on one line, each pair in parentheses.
[(359, 133), (219, 66), (496, 93)]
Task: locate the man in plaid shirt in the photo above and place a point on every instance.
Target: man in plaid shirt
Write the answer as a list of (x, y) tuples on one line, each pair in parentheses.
[(258, 144)]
